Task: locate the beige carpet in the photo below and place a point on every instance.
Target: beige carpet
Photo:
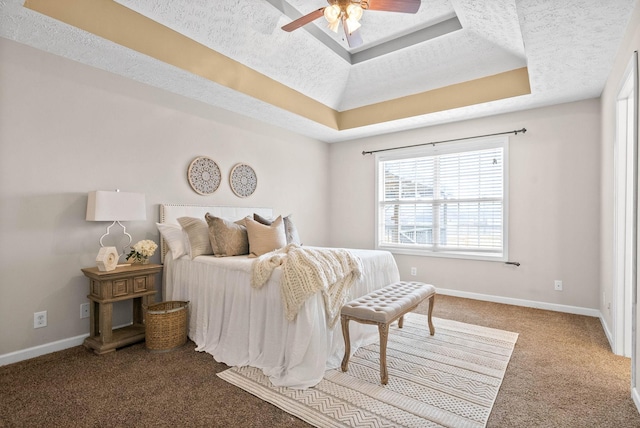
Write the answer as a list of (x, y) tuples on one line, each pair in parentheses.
[(450, 379)]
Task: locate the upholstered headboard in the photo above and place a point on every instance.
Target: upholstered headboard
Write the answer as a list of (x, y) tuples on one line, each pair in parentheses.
[(169, 213)]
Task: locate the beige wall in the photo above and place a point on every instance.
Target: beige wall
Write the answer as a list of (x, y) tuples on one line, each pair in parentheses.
[(553, 206), (66, 129), (631, 43)]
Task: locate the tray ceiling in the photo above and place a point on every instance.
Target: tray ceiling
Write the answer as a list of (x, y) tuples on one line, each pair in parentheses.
[(453, 60)]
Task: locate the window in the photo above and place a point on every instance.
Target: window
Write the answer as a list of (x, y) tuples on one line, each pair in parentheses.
[(445, 200)]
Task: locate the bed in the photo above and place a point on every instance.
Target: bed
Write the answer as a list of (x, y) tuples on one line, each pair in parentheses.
[(241, 325)]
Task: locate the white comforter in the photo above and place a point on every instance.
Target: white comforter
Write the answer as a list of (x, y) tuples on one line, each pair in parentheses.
[(240, 325)]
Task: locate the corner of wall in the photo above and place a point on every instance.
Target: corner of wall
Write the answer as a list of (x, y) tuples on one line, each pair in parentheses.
[(607, 331)]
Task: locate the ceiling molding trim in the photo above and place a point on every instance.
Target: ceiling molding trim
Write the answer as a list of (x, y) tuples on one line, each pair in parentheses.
[(419, 36), (491, 88)]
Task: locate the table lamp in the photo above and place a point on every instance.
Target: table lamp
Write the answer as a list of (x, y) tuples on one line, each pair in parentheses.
[(114, 206)]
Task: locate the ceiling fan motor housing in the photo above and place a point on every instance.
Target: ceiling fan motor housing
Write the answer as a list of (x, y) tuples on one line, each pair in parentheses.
[(344, 3)]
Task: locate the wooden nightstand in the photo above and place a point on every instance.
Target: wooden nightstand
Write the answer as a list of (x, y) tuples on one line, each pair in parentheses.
[(135, 282)]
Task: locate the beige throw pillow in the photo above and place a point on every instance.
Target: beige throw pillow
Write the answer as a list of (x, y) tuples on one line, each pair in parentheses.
[(290, 230), (265, 238), (227, 238), (198, 235)]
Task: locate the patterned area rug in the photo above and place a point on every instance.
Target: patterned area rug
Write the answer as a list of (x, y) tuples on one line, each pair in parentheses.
[(450, 379)]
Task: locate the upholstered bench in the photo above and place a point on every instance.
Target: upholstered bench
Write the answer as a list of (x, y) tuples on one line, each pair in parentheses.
[(383, 307)]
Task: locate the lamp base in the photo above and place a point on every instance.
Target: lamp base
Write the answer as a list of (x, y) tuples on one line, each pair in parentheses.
[(107, 259), (124, 230)]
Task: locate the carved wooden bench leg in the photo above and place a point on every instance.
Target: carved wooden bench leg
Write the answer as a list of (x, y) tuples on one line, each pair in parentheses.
[(347, 342), (383, 329), (432, 329)]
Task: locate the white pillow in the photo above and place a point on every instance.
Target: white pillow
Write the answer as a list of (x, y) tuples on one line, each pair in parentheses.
[(263, 238), (175, 238), (198, 235)]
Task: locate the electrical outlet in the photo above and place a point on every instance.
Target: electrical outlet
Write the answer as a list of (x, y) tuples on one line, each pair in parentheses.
[(558, 285), (414, 271), (39, 319), (84, 310)]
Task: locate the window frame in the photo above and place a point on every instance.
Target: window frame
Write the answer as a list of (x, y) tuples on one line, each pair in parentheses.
[(441, 149)]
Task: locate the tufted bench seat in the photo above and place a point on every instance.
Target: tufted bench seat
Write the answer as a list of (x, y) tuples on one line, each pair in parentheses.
[(383, 307)]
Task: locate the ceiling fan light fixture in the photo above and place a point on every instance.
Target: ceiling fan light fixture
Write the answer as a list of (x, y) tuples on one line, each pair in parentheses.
[(333, 25), (332, 13), (354, 12)]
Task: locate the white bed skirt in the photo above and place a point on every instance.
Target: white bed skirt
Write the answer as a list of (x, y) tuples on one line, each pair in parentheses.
[(243, 326)]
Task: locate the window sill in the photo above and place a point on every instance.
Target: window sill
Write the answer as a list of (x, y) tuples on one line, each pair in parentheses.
[(444, 254)]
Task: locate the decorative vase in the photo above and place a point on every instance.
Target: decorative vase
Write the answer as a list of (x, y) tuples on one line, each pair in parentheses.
[(138, 260)]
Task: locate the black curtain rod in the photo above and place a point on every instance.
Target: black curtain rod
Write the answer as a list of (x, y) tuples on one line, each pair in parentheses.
[(516, 132)]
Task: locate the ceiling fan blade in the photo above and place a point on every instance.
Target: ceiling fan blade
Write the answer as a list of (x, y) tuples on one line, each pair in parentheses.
[(354, 39), (294, 25), (404, 6)]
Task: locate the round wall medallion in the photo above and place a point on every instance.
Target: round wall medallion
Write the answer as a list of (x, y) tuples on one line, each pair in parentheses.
[(204, 175), (243, 180)]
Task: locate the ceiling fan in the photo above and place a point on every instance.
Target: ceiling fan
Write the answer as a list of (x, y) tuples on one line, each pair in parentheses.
[(349, 13)]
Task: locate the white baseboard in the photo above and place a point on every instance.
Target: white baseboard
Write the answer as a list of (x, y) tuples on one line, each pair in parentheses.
[(47, 348), (607, 332), (635, 394), (521, 302), (36, 351)]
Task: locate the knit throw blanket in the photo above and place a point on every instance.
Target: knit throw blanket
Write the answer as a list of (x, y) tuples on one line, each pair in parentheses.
[(305, 271)]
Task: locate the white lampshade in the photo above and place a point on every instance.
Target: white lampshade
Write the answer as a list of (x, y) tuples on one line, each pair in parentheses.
[(105, 205)]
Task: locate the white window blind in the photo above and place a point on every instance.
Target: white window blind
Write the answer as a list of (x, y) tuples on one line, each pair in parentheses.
[(444, 200)]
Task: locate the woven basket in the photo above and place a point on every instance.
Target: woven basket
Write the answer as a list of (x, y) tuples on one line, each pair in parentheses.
[(166, 326)]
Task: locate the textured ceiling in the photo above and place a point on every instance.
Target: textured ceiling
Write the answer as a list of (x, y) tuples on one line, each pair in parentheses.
[(568, 48)]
